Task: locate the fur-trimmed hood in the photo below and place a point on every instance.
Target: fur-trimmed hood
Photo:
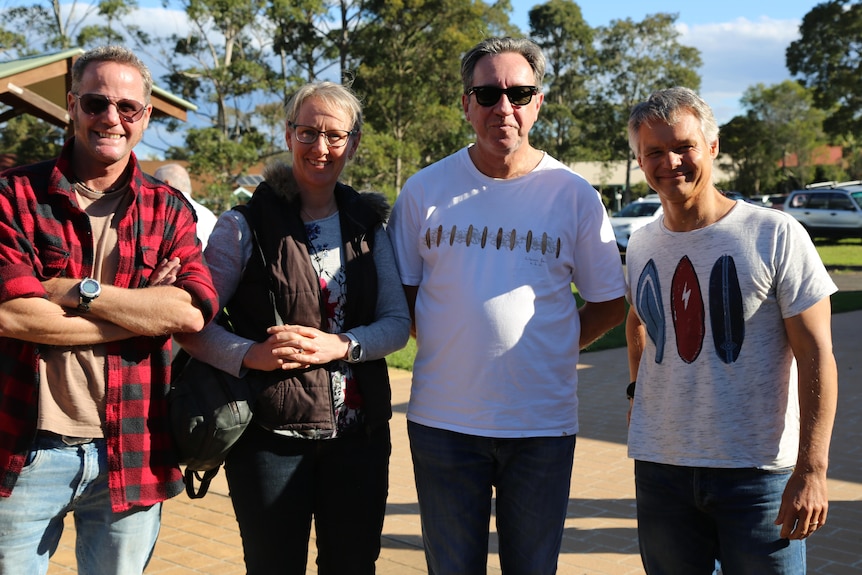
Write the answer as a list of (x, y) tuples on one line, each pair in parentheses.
[(280, 178)]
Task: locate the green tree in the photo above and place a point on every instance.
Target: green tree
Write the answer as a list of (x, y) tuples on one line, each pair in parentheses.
[(59, 26), (116, 27), (223, 67), (316, 39), (745, 152), (826, 58), (567, 42), (10, 42), (409, 78), (30, 139), (790, 126), (633, 60)]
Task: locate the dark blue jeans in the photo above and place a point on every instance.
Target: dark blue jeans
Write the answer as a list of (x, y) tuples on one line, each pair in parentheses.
[(455, 475), (689, 517), (277, 484)]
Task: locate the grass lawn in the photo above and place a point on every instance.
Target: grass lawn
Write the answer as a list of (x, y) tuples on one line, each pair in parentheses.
[(841, 254), (842, 257)]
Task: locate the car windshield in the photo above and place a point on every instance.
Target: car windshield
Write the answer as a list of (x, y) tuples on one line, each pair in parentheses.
[(637, 210), (857, 197)]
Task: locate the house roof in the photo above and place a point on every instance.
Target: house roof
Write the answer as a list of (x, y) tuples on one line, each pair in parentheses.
[(38, 85)]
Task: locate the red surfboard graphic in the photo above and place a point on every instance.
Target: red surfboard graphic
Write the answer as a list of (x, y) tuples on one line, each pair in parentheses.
[(686, 305)]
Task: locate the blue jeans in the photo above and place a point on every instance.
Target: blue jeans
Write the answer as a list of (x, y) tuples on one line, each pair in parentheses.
[(277, 484), (59, 479), (689, 517), (455, 475)]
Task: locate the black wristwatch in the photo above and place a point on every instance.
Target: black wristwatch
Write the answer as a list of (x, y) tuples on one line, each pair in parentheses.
[(630, 390), (89, 289), (354, 349)]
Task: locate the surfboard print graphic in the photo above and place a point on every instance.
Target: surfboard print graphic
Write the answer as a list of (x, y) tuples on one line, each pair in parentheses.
[(686, 306), (726, 313), (650, 308)]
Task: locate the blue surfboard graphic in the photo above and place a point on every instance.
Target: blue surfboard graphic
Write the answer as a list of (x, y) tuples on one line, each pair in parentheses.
[(650, 308), (726, 313)]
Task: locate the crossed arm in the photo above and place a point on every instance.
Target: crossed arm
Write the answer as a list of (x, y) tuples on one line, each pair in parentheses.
[(118, 313)]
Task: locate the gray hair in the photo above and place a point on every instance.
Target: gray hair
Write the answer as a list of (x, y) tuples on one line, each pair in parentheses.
[(118, 54), (496, 45), (665, 106), (332, 94), (176, 176)]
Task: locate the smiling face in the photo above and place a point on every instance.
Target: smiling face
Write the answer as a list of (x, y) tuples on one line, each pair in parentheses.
[(317, 166), (676, 159), (502, 130), (104, 141)]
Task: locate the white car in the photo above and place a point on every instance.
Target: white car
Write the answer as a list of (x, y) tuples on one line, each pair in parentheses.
[(828, 212), (635, 215)]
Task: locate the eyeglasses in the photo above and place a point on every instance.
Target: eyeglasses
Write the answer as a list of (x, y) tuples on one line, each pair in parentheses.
[(95, 104), (309, 135), (488, 96)]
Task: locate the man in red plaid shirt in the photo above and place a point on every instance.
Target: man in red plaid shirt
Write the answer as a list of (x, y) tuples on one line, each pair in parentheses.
[(99, 265)]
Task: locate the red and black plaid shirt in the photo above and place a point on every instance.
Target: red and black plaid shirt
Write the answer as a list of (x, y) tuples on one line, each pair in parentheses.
[(44, 234)]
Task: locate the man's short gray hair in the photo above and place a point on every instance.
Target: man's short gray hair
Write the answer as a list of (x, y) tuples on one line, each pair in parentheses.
[(496, 45), (665, 106)]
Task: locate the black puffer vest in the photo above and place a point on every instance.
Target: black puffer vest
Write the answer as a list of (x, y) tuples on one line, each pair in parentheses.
[(302, 399)]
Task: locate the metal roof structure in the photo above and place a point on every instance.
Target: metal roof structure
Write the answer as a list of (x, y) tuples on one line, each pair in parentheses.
[(38, 86)]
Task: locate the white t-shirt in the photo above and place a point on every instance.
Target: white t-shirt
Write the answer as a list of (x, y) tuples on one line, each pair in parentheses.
[(497, 324), (717, 380), (206, 220)]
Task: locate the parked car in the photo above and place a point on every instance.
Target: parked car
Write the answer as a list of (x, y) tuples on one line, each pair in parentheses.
[(635, 215), (827, 211), (737, 196), (775, 201)]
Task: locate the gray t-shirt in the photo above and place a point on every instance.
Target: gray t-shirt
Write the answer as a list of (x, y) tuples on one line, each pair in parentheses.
[(717, 378)]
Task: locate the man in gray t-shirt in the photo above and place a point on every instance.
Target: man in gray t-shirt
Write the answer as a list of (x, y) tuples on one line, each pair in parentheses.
[(730, 346)]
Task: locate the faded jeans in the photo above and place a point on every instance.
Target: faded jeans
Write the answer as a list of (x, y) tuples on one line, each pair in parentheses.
[(56, 480)]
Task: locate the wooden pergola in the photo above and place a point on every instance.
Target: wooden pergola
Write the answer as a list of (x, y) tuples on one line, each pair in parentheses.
[(38, 86)]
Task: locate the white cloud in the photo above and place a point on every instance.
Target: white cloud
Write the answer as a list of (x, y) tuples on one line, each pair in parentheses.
[(739, 54)]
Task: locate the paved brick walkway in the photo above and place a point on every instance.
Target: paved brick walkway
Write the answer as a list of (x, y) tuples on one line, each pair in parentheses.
[(600, 533)]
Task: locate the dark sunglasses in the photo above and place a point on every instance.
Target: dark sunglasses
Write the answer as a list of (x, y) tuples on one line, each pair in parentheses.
[(488, 96), (95, 104)]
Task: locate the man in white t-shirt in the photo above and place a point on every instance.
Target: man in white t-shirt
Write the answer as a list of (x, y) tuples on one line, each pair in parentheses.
[(730, 345), (489, 241), (178, 177)]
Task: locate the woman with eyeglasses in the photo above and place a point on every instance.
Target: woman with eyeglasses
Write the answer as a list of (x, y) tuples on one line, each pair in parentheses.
[(319, 444)]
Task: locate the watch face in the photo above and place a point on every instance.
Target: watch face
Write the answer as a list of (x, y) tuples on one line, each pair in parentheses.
[(355, 352), (90, 287)]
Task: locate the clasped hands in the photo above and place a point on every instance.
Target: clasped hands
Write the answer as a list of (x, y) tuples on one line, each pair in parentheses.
[(295, 347)]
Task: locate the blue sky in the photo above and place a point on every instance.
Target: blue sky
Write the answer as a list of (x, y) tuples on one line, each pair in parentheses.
[(742, 42), (598, 13)]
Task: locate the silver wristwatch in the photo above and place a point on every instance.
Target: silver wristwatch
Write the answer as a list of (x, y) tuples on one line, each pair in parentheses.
[(88, 290), (354, 349)]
